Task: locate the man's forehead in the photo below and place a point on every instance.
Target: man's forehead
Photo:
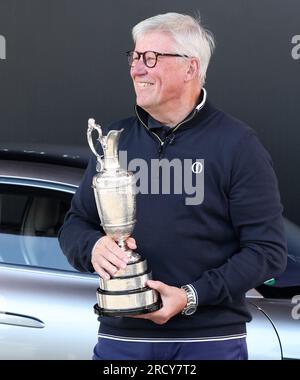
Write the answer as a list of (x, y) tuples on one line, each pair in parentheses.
[(154, 40)]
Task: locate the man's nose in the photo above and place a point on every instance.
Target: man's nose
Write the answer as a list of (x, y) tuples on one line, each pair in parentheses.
[(139, 68)]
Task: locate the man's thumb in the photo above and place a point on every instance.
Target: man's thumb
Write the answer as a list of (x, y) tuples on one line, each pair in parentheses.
[(157, 285)]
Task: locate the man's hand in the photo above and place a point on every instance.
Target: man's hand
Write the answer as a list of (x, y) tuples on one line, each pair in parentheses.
[(108, 257), (173, 299)]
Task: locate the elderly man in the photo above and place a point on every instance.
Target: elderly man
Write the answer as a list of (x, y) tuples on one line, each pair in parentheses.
[(204, 254)]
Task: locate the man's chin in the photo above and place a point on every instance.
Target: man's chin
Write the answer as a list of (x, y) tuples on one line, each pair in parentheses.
[(142, 103)]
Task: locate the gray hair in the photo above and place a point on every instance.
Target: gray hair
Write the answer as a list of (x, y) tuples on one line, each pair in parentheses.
[(189, 36)]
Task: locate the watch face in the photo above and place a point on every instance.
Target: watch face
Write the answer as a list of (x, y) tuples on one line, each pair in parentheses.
[(190, 310)]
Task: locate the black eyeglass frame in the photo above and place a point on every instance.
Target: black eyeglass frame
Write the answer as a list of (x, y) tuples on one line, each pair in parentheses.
[(131, 52)]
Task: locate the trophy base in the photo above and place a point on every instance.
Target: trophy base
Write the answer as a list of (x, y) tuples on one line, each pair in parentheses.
[(123, 313), (126, 293), (127, 302)]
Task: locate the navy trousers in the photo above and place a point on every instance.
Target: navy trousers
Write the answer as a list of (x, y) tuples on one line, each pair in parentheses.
[(110, 349)]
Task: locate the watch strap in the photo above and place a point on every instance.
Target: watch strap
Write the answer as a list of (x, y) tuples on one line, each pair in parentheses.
[(192, 298)]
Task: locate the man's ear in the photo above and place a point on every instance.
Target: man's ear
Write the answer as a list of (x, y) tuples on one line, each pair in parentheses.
[(193, 69)]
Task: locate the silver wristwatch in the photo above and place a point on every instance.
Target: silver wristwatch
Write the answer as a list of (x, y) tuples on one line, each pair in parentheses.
[(192, 304)]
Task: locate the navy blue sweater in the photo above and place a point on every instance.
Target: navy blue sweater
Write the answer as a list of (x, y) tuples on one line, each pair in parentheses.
[(229, 243)]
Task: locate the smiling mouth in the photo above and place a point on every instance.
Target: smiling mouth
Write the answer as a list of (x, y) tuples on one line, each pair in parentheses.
[(143, 84)]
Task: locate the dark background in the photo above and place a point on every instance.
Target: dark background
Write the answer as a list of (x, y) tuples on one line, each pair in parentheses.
[(65, 63)]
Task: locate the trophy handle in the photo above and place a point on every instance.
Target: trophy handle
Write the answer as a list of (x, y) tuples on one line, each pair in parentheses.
[(91, 127)]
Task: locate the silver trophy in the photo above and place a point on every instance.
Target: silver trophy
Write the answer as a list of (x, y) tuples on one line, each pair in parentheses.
[(114, 189)]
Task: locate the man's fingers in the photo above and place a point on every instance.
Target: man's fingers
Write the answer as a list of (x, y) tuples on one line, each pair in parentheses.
[(101, 272), (157, 285), (131, 243), (107, 266), (108, 257), (113, 247), (112, 258)]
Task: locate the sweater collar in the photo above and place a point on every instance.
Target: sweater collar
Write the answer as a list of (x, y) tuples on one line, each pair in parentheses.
[(200, 112)]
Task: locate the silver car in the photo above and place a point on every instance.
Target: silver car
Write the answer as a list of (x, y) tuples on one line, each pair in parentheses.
[(46, 306)]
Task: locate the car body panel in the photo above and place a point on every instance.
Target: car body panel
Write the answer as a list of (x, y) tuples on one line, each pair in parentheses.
[(280, 311), (61, 301), (262, 339)]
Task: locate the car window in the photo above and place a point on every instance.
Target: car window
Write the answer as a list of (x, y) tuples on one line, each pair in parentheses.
[(29, 222)]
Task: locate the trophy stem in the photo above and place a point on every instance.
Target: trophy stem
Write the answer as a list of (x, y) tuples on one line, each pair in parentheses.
[(122, 244), (133, 257)]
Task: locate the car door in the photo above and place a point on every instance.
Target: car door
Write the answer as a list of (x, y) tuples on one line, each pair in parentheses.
[(46, 306)]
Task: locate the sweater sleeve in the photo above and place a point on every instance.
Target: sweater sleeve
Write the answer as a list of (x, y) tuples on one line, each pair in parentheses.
[(255, 212), (81, 228)]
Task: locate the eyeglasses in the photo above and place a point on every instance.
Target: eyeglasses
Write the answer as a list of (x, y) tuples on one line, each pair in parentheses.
[(149, 57)]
